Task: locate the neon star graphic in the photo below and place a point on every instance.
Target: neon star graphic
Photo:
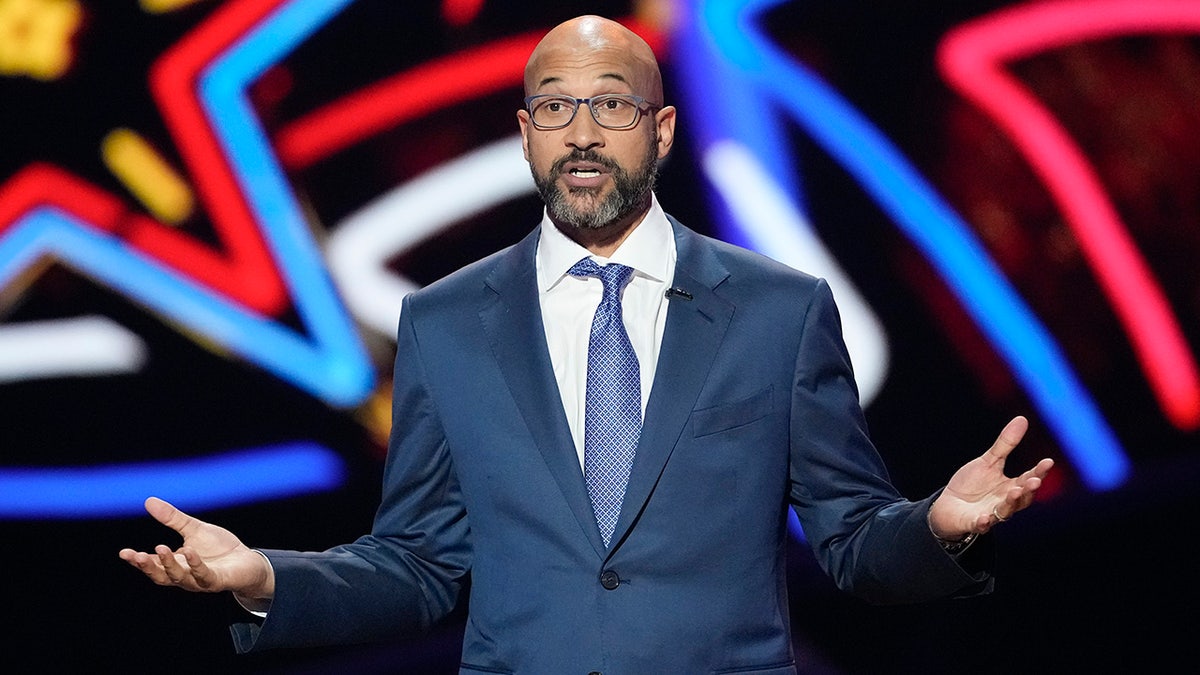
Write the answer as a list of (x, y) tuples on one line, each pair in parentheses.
[(199, 86), (229, 298), (269, 262)]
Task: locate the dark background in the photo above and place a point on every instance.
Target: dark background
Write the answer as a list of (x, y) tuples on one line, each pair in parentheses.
[(1087, 580)]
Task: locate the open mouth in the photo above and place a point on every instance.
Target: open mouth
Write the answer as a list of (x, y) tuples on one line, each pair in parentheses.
[(584, 175)]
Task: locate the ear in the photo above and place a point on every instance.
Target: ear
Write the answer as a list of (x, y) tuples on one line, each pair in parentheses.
[(524, 124), (664, 120)]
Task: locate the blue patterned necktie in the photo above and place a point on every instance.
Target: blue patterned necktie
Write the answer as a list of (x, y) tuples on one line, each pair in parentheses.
[(613, 402)]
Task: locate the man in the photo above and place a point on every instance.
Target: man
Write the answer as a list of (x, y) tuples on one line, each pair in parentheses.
[(644, 536)]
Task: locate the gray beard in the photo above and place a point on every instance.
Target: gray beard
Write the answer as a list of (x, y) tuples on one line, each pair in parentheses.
[(630, 191)]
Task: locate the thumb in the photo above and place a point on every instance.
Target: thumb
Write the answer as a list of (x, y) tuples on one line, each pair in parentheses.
[(1009, 437), (165, 513)]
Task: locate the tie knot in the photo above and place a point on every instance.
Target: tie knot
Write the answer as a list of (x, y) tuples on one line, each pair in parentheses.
[(612, 275)]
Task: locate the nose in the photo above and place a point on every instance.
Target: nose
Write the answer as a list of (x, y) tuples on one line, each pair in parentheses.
[(584, 132)]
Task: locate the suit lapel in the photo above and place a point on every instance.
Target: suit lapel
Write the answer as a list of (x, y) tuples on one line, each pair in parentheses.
[(512, 319), (693, 333)]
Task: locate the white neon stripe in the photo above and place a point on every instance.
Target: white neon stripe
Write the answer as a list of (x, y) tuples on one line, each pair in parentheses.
[(362, 243), (778, 229), (87, 346)]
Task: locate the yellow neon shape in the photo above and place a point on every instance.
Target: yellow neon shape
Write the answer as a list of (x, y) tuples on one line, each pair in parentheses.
[(164, 6), (147, 175), (35, 36)]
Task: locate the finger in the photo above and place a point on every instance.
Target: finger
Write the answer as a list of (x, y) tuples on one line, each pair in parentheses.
[(1031, 481), (1043, 467), (984, 523), (175, 572), (135, 558), (1038, 471), (166, 513), (1002, 510), (1017, 498), (147, 564), (201, 574), (1009, 437)]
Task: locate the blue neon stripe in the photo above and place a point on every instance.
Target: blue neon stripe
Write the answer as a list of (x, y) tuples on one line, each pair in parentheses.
[(735, 105), (922, 215), (226, 479), (47, 230), (119, 490), (343, 365)]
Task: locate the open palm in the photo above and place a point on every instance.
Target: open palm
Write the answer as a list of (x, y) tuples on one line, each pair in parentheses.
[(211, 558), (979, 494)]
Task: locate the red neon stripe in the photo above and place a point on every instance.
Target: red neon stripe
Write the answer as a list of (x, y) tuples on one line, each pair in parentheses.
[(409, 95), (406, 96), (38, 185), (245, 271), (460, 12), (971, 60)]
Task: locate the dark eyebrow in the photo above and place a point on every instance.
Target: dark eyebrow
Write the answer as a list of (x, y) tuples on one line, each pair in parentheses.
[(615, 76)]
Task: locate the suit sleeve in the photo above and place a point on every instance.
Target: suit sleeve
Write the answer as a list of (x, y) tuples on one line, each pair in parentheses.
[(870, 540), (407, 573)]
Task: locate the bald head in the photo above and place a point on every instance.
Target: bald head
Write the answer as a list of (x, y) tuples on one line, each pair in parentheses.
[(586, 41)]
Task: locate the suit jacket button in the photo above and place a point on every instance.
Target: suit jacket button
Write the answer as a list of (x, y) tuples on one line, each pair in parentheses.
[(609, 580)]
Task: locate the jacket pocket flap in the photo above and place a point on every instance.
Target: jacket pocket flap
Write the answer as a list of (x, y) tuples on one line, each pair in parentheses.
[(735, 414)]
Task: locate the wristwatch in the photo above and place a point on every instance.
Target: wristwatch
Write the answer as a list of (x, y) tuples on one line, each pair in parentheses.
[(952, 546), (957, 546)]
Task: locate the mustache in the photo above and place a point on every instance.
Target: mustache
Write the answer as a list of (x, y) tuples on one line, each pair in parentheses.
[(589, 155)]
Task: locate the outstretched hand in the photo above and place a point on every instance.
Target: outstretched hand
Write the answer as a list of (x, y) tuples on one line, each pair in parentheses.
[(211, 559), (979, 495)]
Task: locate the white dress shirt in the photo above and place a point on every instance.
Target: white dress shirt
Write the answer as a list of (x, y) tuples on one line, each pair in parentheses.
[(568, 304)]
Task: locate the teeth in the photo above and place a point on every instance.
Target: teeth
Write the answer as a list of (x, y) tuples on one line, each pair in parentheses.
[(585, 173)]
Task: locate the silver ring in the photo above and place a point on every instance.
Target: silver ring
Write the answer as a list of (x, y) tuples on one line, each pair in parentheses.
[(999, 519)]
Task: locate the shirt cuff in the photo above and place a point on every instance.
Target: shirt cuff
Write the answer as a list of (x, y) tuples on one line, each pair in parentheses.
[(256, 606)]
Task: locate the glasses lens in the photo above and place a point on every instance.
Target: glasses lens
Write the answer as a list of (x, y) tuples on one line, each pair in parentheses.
[(615, 110), (553, 111)]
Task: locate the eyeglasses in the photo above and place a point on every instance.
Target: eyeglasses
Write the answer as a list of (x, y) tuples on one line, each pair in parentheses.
[(611, 111)]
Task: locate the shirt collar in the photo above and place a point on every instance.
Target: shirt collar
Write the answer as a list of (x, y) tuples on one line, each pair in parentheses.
[(649, 249)]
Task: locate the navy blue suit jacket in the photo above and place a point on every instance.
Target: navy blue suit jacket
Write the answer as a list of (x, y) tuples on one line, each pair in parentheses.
[(753, 409)]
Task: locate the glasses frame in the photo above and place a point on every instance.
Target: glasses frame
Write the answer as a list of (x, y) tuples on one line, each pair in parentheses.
[(643, 106)]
